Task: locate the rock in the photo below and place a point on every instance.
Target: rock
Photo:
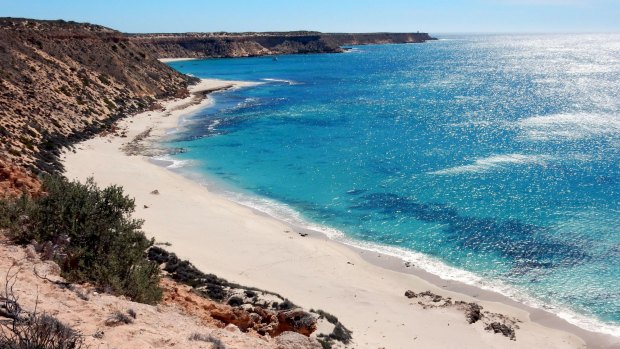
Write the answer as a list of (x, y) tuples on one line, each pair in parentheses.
[(435, 298), (232, 328), (472, 313), (296, 320), (293, 340), (31, 253), (155, 192), (99, 334), (504, 329), (49, 268), (235, 301)]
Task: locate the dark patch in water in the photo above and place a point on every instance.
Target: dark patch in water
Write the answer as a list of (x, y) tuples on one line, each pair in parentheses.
[(230, 145), (527, 245)]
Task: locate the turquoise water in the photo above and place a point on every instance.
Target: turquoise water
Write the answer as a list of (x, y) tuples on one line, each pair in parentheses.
[(494, 160)]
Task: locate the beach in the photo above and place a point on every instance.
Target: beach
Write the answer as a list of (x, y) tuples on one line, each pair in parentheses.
[(244, 246), (168, 60)]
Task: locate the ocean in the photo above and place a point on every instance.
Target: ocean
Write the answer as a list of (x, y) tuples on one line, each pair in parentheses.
[(493, 160)]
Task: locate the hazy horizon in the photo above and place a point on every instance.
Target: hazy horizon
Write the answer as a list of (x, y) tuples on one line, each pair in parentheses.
[(441, 17)]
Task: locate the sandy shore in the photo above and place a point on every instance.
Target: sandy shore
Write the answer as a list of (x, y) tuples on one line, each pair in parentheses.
[(168, 60), (235, 242)]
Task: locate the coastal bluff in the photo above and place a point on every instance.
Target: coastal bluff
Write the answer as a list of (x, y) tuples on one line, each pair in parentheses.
[(219, 45), (61, 82)]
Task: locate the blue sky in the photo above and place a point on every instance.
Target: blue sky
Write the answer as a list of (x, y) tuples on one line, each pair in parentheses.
[(434, 16)]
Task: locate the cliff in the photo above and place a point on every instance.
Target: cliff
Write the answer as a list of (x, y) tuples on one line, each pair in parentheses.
[(204, 45), (61, 82)]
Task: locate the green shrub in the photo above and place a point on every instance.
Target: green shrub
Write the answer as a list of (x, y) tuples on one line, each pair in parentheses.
[(13, 214), (104, 79), (93, 236)]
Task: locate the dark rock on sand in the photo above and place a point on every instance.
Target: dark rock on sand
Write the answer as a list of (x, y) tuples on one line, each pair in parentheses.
[(296, 320), (504, 329)]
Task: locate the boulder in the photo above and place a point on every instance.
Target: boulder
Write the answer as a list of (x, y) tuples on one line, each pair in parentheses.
[(296, 320), (293, 340)]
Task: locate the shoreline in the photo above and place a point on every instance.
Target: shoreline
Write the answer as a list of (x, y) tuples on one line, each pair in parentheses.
[(394, 258), (398, 263), (286, 261), (168, 60)]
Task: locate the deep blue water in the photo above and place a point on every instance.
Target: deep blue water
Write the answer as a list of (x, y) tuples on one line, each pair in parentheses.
[(490, 159)]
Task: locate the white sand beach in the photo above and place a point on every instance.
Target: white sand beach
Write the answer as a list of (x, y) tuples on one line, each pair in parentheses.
[(168, 60), (234, 242)]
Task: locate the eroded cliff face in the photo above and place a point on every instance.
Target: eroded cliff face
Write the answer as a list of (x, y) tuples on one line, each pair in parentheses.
[(61, 82), (206, 45)]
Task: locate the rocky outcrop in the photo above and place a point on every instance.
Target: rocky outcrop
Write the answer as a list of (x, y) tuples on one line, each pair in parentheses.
[(203, 45), (474, 313), (251, 310), (61, 82), (296, 320), (182, 320), (256, 320)]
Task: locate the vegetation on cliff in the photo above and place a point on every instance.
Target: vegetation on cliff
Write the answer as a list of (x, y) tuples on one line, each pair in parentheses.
[(61, 82), (89, 232)]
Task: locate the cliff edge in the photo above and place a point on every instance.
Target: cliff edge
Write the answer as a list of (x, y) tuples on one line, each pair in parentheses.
[(218, 45), (61, 82)]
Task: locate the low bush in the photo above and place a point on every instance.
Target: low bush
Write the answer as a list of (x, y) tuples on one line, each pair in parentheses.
[(40, 332), (341, 333), (323, 314), (94, 237), (216, 343), (20, 329), (118, 318)]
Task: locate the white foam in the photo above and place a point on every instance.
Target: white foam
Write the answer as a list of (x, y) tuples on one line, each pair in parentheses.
[(569, 126), (495, 162), (446, 272), (171, 163), (290, 82), (280, 211), (430, 264), (353, 50), (213, 125)]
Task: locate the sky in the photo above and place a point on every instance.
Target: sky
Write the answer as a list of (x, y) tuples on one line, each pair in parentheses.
[(433, 16)]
